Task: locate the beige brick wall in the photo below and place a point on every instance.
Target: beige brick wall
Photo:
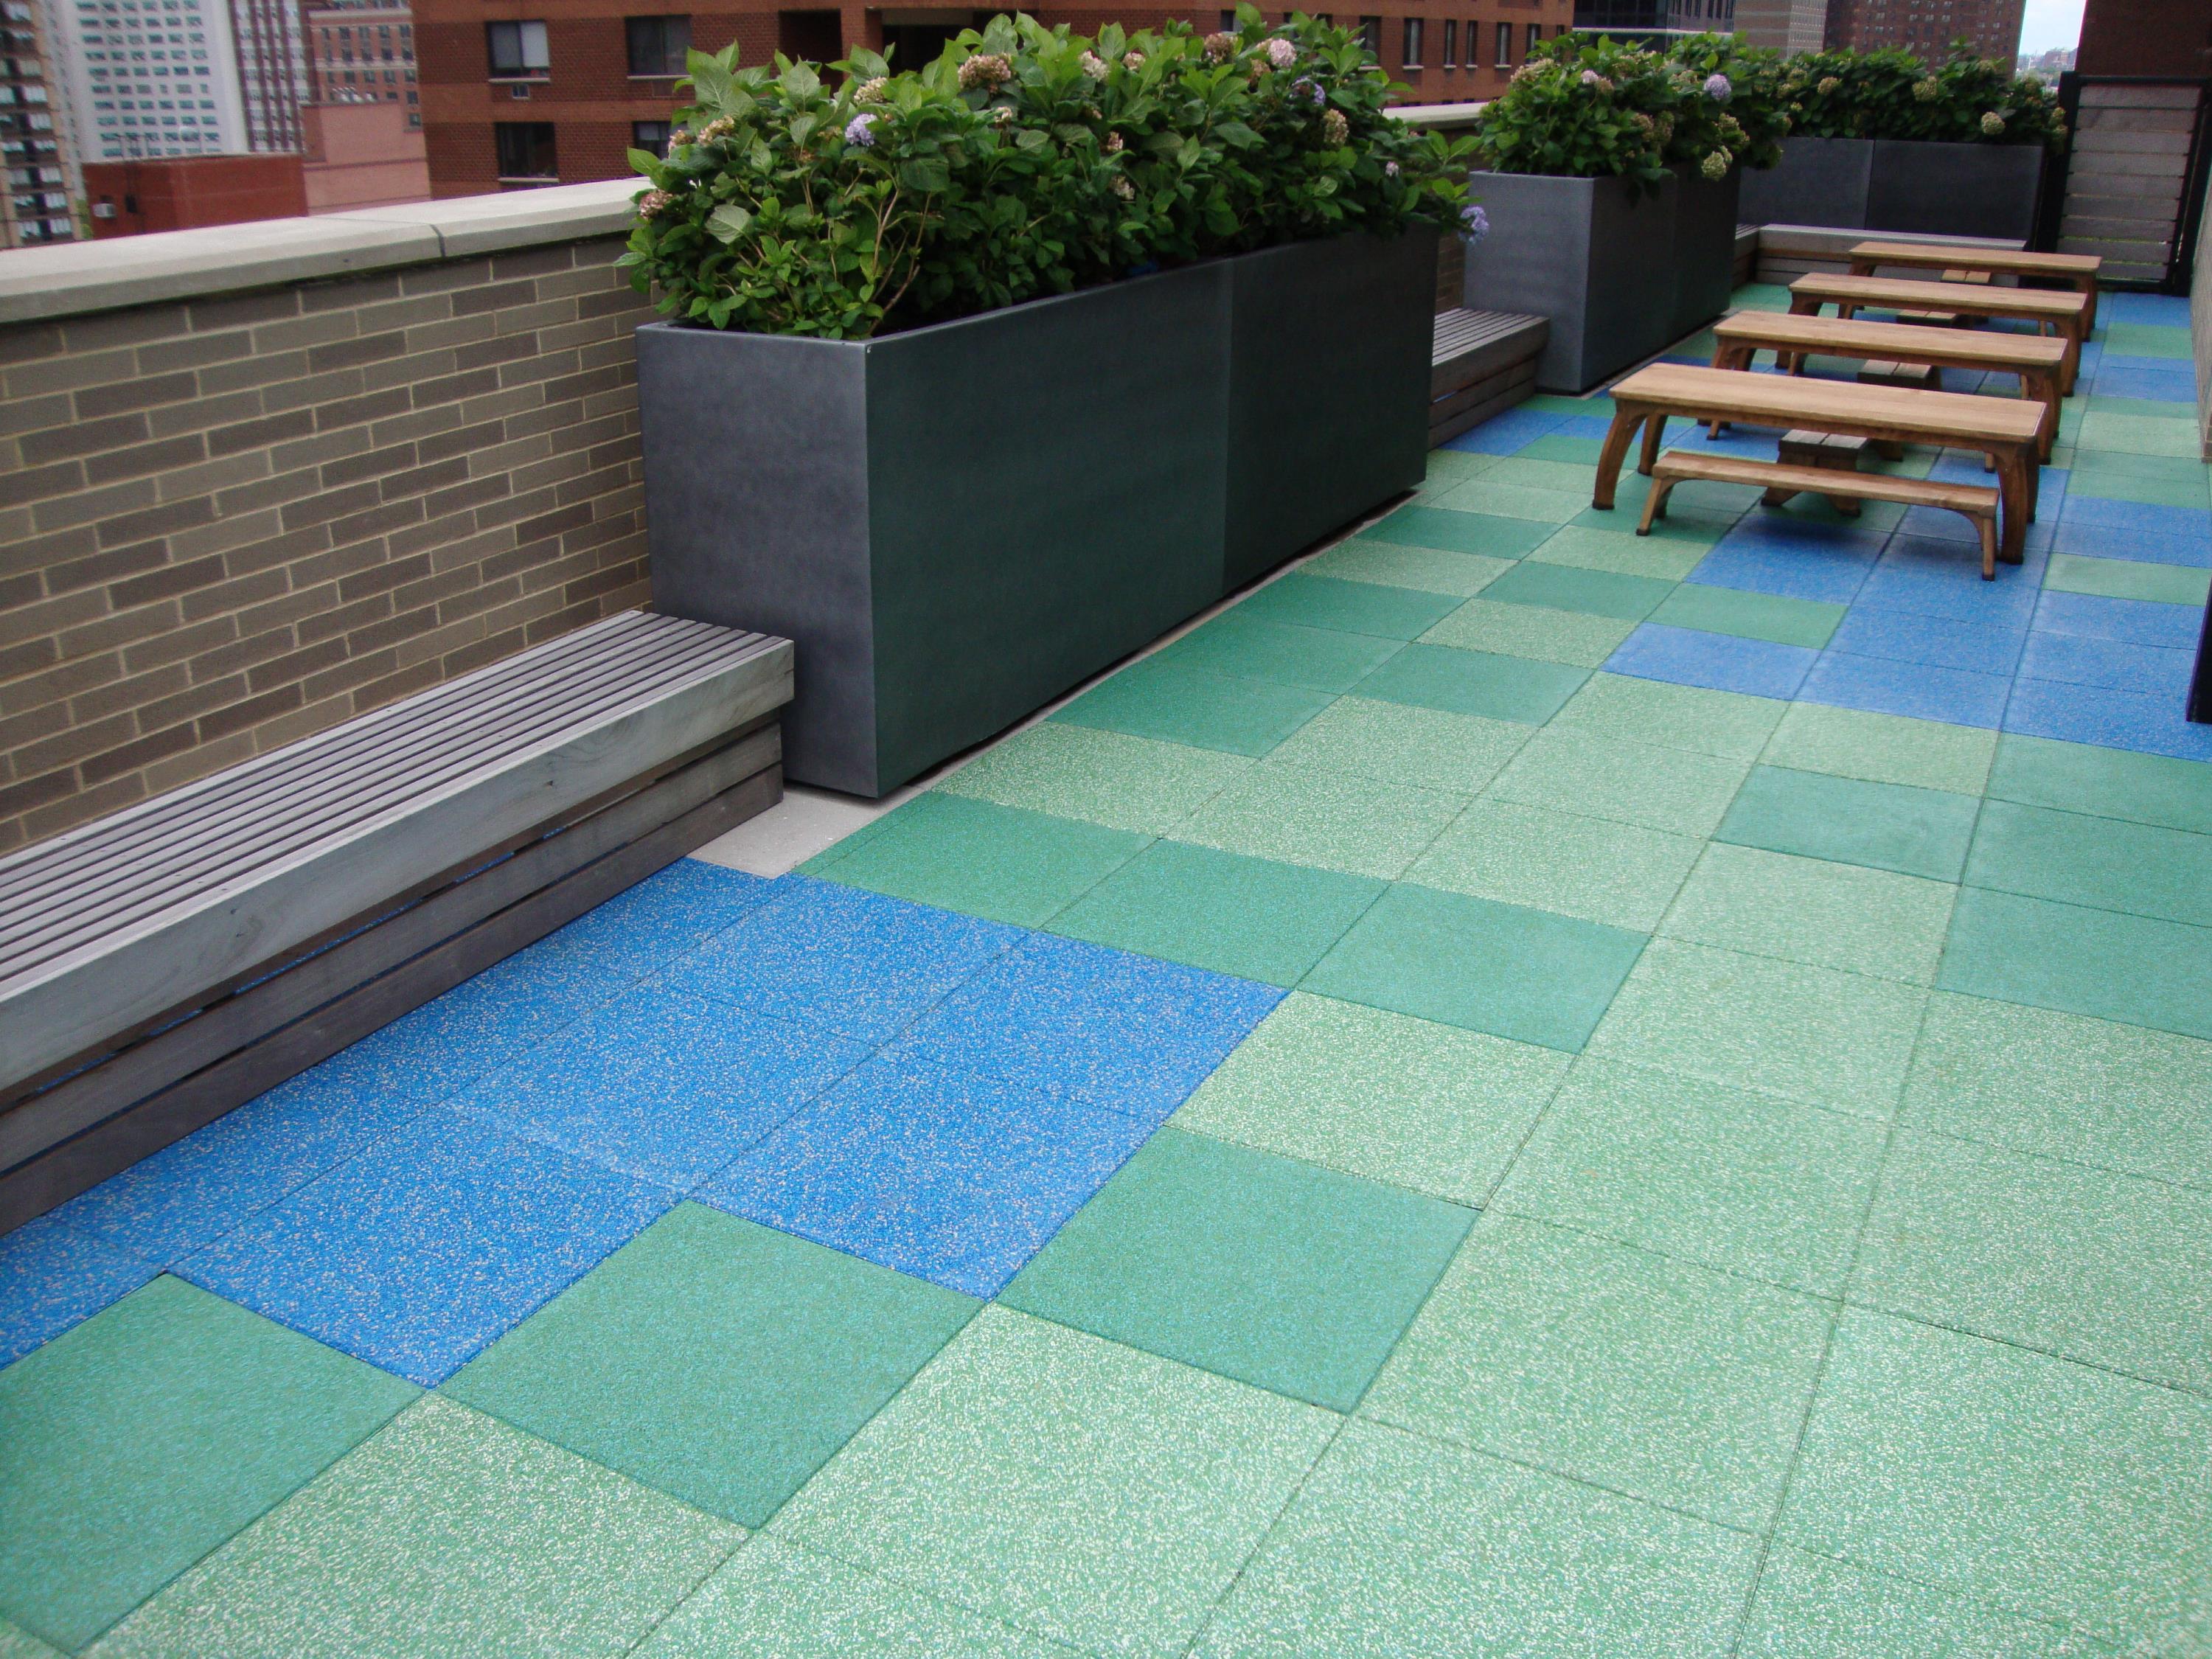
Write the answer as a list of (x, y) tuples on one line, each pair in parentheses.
[(227, 523)]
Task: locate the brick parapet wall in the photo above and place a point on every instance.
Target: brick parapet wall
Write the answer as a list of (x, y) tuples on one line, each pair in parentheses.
[(227, 522)]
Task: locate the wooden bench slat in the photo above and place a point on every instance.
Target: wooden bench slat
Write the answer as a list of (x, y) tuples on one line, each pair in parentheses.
[(1957, 420), (1855, 336), (1973, 299), (1978, 503), (2018, 261)]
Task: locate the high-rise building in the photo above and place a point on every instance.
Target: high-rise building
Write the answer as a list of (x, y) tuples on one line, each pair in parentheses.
[(37, 158), (1785, 25), (180, 78), (1990, 28), (517, 93), (1653, 20), (360, 51)]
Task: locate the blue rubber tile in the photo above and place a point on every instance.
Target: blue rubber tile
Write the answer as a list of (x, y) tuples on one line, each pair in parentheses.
[(1719, 662), (2137, 621), (1596, 426), (1069, 1020), (2138, 518), (1507, 434), (1882, 686), (2151, 670), (512, 1005), (193, 1192), (2111, 719), (1935, 578), (2095, 541), (823, 954), (665, 1088), (948, 1174), (1907, 636), (418, 1253), (1829, 575), (52, 1277), (2157, 310), (2118, 377)]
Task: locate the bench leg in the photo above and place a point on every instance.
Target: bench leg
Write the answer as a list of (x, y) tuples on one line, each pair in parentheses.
[(1888, 449), (2088, 286), (1845, 505), (1655, 504), (2044, 389), (1803, 306), (1986, 524), (2071, 364), (2012, 510), (1655, 430), (1615, 451), (1776, 495)]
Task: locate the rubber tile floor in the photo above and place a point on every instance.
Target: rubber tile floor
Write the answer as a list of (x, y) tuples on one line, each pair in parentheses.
[(1524, 1090)]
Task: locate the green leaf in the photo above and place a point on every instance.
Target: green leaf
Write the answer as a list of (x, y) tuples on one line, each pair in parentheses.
[(927, 174), (728, 224)]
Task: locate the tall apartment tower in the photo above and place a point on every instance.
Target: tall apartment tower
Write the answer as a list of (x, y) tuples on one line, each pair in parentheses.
[(1784, 25), (37, 158), (362, 52), (1990, 27), (146, 78)]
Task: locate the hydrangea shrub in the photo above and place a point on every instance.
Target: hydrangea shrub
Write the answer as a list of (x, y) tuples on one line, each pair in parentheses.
[(1025, 160), (1891, 94)]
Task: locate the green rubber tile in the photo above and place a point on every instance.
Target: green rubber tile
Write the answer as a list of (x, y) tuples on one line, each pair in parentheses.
[(1402, 743), (2047, 1487), (1533, 472), (1570, 588), (1623, 553), (1744, 1182), (2152, 408), (1697, 513), (979, 858), (1600, 870), (1806, 1033), (1506, 500), (1275, 1271), (2140, 868), (1749, 615), (1096, 1495), (1554, 403), (1573, 637), (1623, 707), (1514, 972), (1364, 559), (1317, 816), (1236, 715), (1421, 1105), (2036, 1080), (1398, 1546), (2114, 783), (1254, 918), (444, 1533), (2166, 468), (2090, 1264), (1554, 447), (2145, 340), (1832, 915), (772, 1599), (2125, 579), (1855, 743), (1645, 1375), (1884, 826), (1102, 777), (2134, 969), (2141, 434), (1452, 465), (718, 1361), (2097, 477), (1572, 769), (1473, 683), (16, 1642), (1810, 1607), (138, 1441), (1490, 534), (1389, 613), (1249, 647)]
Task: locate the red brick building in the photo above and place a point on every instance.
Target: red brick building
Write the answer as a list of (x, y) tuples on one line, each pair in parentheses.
[(185, 192), (1929, 26), (520, 93), (360, 52)]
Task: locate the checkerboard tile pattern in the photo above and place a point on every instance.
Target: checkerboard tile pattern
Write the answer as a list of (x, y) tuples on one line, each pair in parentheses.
[(1524, 1089)]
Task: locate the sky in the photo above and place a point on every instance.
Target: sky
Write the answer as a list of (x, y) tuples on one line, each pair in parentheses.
[(2048, 23)]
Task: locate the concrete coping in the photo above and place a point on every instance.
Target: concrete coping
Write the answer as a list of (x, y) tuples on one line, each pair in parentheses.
[(1437, 115), (72, 279)]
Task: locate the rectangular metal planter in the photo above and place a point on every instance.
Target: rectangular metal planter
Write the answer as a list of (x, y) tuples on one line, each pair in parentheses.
[(1329, 389), (957, 523), (1704, 247), (1900, 184), (1818, 181)]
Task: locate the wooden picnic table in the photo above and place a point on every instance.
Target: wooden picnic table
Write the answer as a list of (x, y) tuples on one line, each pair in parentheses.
[(2078, 269), (2067, 312), (2035, 358), (2008, 429)]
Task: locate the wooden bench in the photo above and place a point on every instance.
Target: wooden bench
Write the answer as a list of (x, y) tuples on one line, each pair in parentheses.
[(2005, 428), (165, 963), (2066, 313), (1481, 363), (1740, 336), (2079, 270), (1780, 481)]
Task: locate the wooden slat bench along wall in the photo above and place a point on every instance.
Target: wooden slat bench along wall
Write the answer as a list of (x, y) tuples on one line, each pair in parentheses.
[(1739, 336), (2065, 312), (162, 965), (2008, 429), (2078, 270), (1481, 362)]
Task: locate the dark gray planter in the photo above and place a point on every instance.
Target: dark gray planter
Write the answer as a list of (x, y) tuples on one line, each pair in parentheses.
[(1329, 389), (1955, 190), (1704, 247), (1818, 181)]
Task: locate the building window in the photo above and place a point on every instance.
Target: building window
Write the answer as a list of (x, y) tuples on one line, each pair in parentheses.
[(525, 149), (1535, 33), (651, 136), (657, 45), (1229, 23), (1371, 34), (1504, 59), (516, 50), (1451, 42), (1411, 58)]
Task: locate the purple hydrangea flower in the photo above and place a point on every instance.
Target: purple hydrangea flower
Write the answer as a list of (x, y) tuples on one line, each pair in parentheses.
[(860, 131), (1477, 222), (1719, 89)]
